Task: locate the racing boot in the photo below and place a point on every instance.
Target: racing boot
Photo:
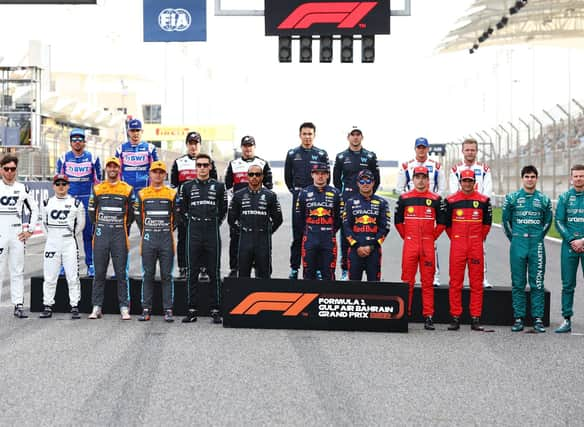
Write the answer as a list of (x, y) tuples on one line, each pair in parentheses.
[(216, 316), (75, 313), (145, 316), (19, 312), (454, 324), (47, 312), (475, 324), (429, 324), (182, 273), (345, 275), (538, 326), (293, 274), (191, 316), (518, 325), (125, 313), (95, 313), (565, 327), (168, 317), (90, 270)]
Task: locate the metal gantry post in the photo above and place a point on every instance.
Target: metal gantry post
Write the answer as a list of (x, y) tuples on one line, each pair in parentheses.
[(499, 170), (553, 155), (567, 146), (517, 161), (542, 152), (508, 166), (529, 144)]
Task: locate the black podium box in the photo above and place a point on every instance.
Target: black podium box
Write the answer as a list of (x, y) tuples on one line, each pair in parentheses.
[(110, 303), (497, 306)]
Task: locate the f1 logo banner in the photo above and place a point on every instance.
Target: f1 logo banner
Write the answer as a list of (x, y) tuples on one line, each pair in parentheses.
[(311, 304), (175, 20), (326, 17)]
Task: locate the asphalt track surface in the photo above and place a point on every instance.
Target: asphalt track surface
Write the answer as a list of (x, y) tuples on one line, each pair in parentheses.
[(107, 372)]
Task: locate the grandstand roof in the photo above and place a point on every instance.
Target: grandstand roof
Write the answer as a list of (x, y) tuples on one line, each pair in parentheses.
[(552, 21)]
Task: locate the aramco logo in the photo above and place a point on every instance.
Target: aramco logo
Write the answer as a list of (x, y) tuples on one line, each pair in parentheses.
[(174, 20)]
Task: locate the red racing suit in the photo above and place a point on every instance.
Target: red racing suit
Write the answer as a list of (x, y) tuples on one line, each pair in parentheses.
[(468, 221), (419, 220)]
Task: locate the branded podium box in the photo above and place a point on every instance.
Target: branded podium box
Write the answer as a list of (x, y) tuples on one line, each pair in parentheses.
[(110, 303), (313, 304), (497, 305)]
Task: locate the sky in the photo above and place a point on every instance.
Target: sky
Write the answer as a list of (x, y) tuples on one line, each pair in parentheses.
[(235, 78)]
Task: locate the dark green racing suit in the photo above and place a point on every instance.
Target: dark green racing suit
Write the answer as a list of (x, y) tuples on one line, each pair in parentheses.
[(570, 224), (527, 217)]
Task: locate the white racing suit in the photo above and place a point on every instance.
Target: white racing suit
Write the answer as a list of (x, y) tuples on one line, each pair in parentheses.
[(13, 201), (63, 219)]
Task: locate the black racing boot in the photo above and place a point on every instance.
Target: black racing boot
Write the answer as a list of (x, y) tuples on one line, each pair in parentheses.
[(191, 316), (475, 324), (454, 324), (47, 312)]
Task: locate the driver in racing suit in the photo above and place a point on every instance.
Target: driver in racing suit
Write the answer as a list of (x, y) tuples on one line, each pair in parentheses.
[(184, 169), (203, 201), (111, 211), (483, 179), (468, 222), (318, 218), (437, 181), (527, 217), (366, 220), (256, 213), (14, 232), (83, 170), (154, 211), (63, 218)]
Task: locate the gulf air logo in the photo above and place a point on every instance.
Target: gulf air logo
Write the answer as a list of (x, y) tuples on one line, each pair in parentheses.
[(290, 303), (344, 14)]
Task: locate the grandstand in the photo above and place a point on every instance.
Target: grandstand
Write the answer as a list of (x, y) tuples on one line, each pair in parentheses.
[(552, 138)]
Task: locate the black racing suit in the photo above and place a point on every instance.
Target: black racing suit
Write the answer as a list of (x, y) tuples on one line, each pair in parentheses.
[(155, 210), (236, 178), (318, 218), (255, 215), (297, 175), (184, 169), (204, 203), (348, 164)]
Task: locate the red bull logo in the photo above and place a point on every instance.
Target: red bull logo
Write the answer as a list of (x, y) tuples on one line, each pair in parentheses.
[(365, 219), (320, 211)]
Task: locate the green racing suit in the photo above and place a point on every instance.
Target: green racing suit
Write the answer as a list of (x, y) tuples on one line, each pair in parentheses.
[(527, 217), (570, 225)]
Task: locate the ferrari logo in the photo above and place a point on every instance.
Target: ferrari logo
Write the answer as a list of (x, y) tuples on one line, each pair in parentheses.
[(475, 204), (428, 202)]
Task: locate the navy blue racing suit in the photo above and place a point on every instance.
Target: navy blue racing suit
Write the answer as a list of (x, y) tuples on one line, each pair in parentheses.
[(318, 218), (366, 223), (297, 175), (348, 164)]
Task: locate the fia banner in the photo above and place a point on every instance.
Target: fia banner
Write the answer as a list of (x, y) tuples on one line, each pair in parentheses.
[(175, 20)]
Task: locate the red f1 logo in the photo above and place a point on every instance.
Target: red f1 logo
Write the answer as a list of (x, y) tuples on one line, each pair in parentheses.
[(345, 14)]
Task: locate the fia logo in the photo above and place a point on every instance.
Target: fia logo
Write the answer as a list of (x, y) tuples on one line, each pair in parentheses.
[(170, 20)]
